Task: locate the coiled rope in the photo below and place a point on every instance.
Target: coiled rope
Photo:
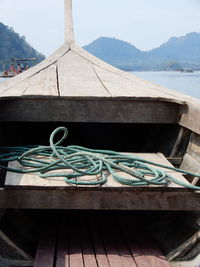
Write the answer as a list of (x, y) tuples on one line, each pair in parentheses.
[(83, 166)]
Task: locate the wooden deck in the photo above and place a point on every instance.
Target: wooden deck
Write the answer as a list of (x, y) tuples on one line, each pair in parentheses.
[(34, 181), (30, 191), (97, 239)]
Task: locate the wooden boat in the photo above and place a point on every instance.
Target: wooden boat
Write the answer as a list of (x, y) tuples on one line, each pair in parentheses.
[(17, 65), (102, 107), (6, 74)]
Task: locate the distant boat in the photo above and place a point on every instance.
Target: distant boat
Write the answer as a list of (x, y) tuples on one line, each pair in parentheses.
[(17, 66), (186, 70)]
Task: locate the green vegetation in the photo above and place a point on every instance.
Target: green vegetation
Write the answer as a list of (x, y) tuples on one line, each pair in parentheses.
[(12, 45), (176, 53)]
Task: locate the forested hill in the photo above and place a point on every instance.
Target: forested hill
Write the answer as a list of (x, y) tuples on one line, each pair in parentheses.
[(12, 45), (177, 52)]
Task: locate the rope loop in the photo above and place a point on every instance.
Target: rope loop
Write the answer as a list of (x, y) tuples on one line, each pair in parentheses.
[(78, 165)]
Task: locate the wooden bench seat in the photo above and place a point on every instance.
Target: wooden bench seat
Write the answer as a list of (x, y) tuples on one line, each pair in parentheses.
[(97, 239), (34, 181), (31, 192)]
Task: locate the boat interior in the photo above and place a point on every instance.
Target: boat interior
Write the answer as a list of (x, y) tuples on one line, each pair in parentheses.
[(49, 223)]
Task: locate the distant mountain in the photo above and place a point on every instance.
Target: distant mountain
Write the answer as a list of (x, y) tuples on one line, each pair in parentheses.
[(12, 45), (185, 48), (115, 52), (177, 52)]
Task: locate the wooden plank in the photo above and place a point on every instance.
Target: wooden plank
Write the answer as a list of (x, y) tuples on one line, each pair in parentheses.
[(75, 250), (140, 199), (130, 229), (194, 146), (112, 251), (46, 247), (69, 32), (120, 86), (174, 174), (62, 255), (190, 164), (9, 89), (144, 250), (161, 93), (15, 91), (33, 180), (100, 252), (43, 84), (190, 117), (77, 78), (191, 159), (124, 251), (87, 245), (151, 251), (88, 109)]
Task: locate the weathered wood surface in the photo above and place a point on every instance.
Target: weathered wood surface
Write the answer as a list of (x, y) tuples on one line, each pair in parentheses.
[(139, 85), (33, 180), (79, 74), (14, 88), (47, 80), (77, 78), (88, 109), (47, 245), (65, 198), (69, 31), (111, 248), (194, 146), (190, 263), (190, 118), (84, 75), (31, 193), (191, 159)]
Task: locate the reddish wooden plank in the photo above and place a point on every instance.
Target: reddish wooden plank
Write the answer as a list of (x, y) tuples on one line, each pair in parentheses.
[(46, 247), (100, 252), (62, 257), (87, 246), (144, 249), (76, 257), (123, 249), (129, 230), (110, 246), (152, 252)]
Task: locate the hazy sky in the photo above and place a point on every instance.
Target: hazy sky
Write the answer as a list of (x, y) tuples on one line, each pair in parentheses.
[(144, 23)]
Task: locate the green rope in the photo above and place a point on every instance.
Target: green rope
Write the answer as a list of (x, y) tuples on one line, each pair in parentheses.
[(88, 166)]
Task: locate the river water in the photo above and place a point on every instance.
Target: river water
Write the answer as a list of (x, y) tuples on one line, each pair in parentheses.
[(186, 83)]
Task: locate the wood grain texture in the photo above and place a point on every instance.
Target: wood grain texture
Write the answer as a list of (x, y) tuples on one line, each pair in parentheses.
[(15, 86), (190, 117), (144, 199), (62, 253), (43, 84), (88, 109), (193, 148), (75, 248), (77, 78), (88, 252), (69, 32), (33, 180), (158, 91), (120, 243), (119, 86), (46, 247), (100, 252)]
